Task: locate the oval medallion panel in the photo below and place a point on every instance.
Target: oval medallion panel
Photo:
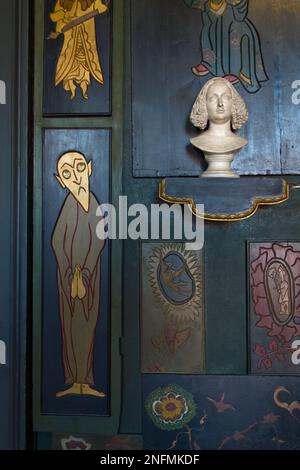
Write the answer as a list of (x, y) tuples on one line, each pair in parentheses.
[(280, 291), (175, 279)]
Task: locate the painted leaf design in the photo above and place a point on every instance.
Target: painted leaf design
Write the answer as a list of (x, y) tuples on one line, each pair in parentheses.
[(280, 357), (181, 337), (267, 363), (260, 350), (273, 346)]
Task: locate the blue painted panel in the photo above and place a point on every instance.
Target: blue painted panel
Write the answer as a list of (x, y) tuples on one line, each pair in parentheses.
[(221, 412), (166, 46), (95, 145), (57, 101)]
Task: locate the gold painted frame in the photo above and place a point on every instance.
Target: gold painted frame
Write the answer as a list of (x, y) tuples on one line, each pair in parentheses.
[(225, 217)]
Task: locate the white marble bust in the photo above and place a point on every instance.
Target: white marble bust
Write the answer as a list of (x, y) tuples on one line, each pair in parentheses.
[(219, 110)]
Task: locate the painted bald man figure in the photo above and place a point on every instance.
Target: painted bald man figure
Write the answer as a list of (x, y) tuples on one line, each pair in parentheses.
[(77, 250)]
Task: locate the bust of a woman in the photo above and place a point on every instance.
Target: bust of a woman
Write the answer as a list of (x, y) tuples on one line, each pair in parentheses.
[(218, 111)]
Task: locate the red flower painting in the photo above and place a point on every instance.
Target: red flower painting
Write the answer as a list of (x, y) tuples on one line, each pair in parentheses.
[(275, 286)]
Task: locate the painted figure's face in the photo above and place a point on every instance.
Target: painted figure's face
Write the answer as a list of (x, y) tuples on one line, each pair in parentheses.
[(74, 173), (219, 102)]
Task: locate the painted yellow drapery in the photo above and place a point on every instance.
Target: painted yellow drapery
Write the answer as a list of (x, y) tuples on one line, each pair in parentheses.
[(218, 7), (79, 57)]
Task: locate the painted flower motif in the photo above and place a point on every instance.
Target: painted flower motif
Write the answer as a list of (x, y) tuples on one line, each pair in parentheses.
[(267, 354), (118, 443), (171, 407), (75, 443), (270, 418), (275, 283), (238, 436)]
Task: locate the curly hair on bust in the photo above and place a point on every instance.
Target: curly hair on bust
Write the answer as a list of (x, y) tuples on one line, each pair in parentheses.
[(199, 115)]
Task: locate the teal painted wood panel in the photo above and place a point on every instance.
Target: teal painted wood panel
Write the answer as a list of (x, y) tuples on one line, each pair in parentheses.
[(166, 45), (42, 422), (226, 294), (220, 413)]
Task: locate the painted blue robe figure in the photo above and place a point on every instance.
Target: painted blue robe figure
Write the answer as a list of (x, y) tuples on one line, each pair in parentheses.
[(230, 44)]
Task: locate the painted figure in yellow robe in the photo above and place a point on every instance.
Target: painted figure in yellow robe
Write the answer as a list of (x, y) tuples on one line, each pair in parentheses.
[(79, 57)]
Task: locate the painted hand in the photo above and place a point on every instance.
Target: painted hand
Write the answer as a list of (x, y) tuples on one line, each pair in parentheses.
[(100, 6), (77, 288)]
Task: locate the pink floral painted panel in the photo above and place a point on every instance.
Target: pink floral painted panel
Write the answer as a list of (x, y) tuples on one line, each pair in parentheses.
[(274, 306)]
